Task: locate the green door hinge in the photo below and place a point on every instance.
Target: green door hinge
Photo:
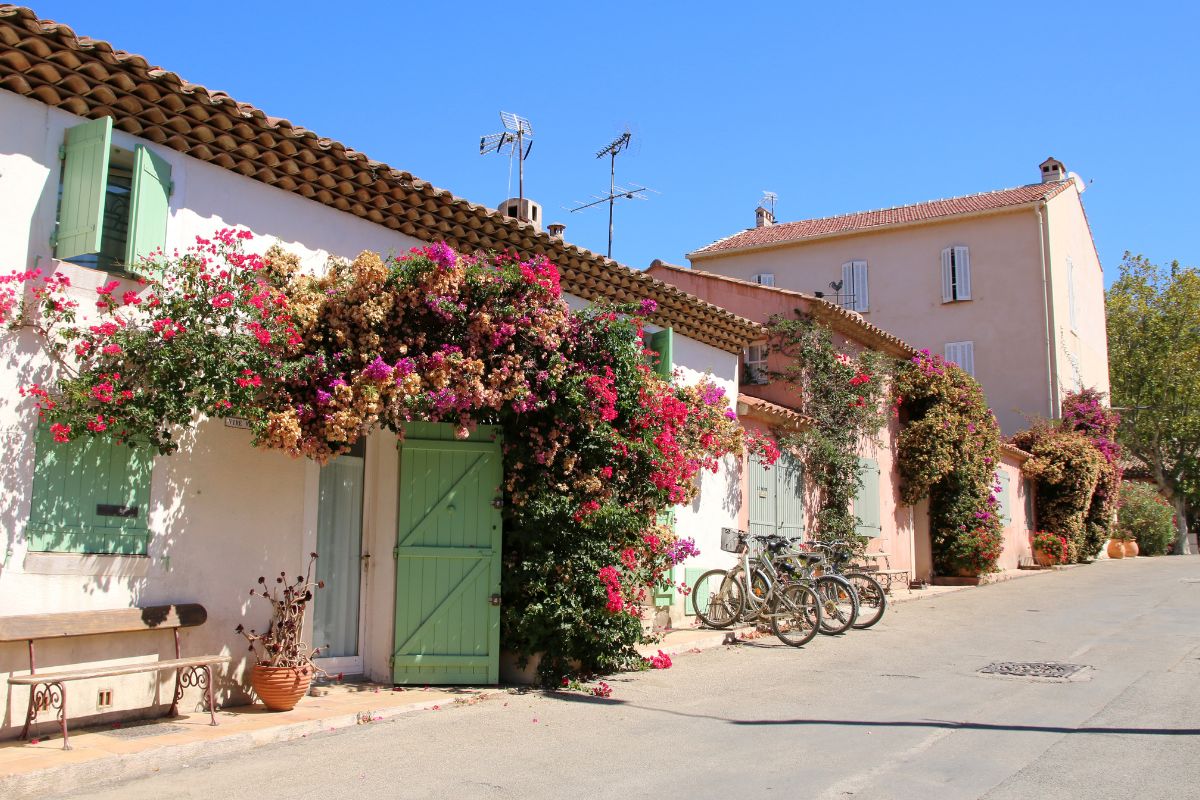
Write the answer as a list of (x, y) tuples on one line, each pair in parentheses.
[(396, 551), (391, 662)]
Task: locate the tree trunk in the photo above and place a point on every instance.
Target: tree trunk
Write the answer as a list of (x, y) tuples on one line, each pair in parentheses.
[(1182, 545)]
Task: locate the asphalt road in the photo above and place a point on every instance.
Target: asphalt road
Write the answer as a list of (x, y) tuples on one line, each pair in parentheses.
[(898, 711)]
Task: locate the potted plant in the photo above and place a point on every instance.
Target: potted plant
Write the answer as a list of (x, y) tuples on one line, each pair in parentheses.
[(1116, 547), (1049, 549), (1129, 541), (284, 665)]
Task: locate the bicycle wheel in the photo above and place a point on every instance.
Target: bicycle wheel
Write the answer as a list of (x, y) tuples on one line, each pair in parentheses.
[(757, 597), (839, 604), (872, 600), (717, 598), (795, 614)]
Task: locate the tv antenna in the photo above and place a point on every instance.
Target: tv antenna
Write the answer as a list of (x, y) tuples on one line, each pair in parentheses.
[(516, 140), (615, 192), (769, 199)]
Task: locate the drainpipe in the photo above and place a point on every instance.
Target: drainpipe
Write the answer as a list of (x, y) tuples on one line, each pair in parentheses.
[(1048, 313)]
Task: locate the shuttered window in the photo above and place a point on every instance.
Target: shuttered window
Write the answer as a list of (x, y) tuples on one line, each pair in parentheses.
[(113, 203), (855, 294), (90, 495), (866, 500), (963, 354), (956, 274), (1005, 506), (660, 345)]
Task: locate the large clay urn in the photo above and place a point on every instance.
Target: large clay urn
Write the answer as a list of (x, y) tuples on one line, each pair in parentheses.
[(280, 688), (1131, 548), (1116, 549)]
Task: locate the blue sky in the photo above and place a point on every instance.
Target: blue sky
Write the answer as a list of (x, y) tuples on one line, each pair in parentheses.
[(836, 108)]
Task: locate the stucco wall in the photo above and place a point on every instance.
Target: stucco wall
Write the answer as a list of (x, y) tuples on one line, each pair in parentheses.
[(1017, 529), (1005, 317), (222, 513), (1082, 350)]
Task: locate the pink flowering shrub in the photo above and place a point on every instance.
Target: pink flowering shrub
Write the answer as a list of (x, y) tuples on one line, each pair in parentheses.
[(596, 446), (659, 661), (949, 450)]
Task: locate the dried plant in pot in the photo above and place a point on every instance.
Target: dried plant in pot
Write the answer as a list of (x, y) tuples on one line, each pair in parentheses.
[(284, 665)]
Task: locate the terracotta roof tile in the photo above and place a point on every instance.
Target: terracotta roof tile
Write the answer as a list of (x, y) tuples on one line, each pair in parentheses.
[(930, 211), (47, 62), (772, 412)]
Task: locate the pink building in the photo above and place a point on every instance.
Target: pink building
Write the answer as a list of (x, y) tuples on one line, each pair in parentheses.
[(776, 500), (1007, 284)]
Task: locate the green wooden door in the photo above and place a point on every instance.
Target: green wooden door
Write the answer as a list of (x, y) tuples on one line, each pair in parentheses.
[(448, 558)]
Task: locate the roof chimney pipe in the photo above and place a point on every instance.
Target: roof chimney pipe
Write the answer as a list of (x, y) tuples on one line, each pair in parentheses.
[(763, 217), (556, 230)]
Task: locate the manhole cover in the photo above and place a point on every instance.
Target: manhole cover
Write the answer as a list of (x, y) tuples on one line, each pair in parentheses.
[(134, 731), (1033, 669)]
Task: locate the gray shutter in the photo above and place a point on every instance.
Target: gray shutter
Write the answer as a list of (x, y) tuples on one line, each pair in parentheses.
[(848, 279), (947, 275), (962, 273), (860, 286), (789, 477), (866, 501)]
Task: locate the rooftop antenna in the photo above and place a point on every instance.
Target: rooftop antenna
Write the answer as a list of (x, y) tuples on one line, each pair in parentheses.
[(769, 199), (615, 192), (516, 140)]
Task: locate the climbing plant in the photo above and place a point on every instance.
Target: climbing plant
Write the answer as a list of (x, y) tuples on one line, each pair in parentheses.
[(949, 450), (596, 445), (843, 393)]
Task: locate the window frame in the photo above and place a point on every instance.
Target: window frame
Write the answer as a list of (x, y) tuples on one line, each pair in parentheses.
[(756, 368), (956, 274)]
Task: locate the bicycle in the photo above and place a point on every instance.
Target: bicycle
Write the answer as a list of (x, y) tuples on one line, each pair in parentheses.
[(722, 597), (872, 599), (839, 598)]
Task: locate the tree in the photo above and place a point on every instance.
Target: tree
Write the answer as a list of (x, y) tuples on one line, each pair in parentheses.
[(1154, 361)]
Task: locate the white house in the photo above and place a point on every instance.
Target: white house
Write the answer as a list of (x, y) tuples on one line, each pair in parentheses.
[(176, 161)]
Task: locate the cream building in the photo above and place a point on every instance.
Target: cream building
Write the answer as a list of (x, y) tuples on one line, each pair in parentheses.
[(1006, 283)]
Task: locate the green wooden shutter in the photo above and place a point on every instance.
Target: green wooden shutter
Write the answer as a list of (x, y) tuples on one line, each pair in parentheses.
[(664, 594), (84, 178), (764, 497), (89, 496), (690, 575), (149, 206), (789, 482), (1029, 521), (663, 344), (866, 502)]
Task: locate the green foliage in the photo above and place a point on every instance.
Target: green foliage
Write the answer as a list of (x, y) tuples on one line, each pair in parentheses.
[(844, 396), (948, 450), (1146, 517), (1067, 468), (1154, 364)]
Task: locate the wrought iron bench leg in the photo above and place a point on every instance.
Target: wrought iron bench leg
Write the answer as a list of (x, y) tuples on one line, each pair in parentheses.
[(200, 677), (208, 685), (43, 697), (178, 695)]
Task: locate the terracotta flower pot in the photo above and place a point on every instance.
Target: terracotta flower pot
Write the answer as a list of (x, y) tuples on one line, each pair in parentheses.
[(280, 688), (1131, 548), (1042, 558), (1116, 549)]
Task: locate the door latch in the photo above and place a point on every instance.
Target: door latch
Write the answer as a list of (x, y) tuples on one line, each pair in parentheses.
[(494, 599)]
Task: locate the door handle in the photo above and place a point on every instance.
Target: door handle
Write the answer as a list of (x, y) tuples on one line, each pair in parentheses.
[(494, 600)]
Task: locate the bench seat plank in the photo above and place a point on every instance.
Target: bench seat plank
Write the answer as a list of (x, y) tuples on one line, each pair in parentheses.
[(90, 623), (122, 669)]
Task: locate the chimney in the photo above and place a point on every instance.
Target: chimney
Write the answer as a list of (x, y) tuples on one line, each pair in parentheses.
[(527, 211), (1053, 170), (556, 230), (763, 217)]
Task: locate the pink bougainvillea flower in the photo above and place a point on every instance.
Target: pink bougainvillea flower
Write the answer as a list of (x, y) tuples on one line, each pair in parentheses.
[(223, 300)]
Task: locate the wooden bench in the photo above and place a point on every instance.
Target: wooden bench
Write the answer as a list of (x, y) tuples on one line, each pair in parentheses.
[(47, 690)]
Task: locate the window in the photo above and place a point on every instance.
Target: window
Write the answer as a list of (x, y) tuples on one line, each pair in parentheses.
[(764, 278), (660, 345), (113, 203), (854, 286), (963, 354), (89, 496), (956, 274), (756, 364), (1071, 293)]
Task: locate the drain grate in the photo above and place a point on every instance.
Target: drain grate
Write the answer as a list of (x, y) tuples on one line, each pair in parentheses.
[(1033, 669)]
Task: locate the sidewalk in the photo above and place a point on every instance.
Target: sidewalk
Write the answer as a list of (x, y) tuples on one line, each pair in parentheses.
[(140, 747)]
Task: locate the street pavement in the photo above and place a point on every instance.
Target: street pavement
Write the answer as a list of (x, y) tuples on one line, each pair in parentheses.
[(897, 711)]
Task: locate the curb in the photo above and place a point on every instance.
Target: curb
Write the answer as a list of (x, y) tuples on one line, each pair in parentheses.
[(113, 768)]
